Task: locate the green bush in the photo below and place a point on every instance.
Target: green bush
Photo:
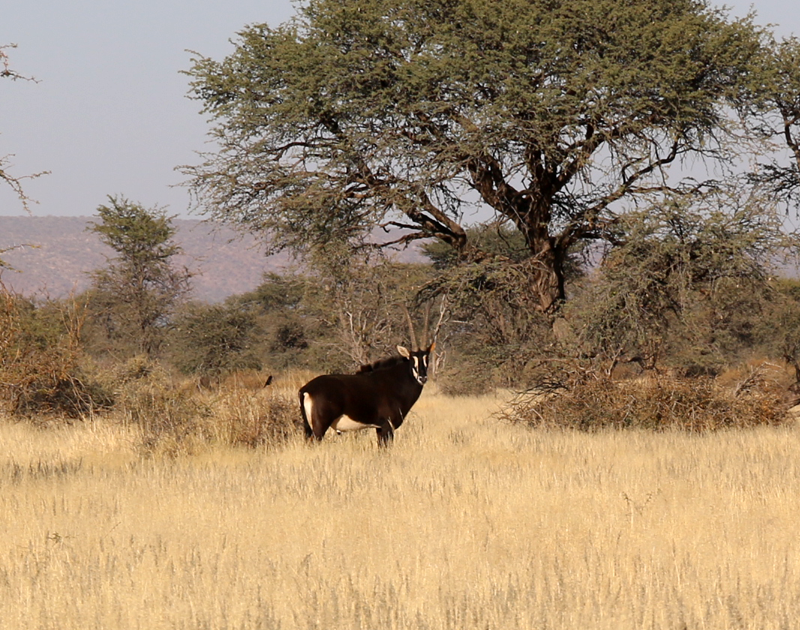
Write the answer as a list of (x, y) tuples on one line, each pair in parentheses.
[(212, 340)]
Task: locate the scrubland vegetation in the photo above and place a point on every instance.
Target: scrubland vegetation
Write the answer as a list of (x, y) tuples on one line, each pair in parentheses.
[(166, 485), (466, 522), (607, 442)]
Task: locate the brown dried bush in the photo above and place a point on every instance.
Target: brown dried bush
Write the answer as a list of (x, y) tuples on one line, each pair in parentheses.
[(244, 418), (174, 417), (465, 380), (169, 416), (594, 401), (40, 359)]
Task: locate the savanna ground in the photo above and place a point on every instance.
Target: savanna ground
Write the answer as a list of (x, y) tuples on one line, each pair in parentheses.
[(466, 522)]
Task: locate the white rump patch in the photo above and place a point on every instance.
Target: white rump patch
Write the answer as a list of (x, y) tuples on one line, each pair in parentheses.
[(308, 405), (346, 423)]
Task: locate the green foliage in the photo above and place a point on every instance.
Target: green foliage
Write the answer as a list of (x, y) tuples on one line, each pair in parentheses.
[(685, 285), (498, 241), (341, 314), (495, 328), (409, 113), (277, 293), (779, 329), (361, 303), (137, 235), (282, 326), (214, 339), (133, 298), (774, 102)]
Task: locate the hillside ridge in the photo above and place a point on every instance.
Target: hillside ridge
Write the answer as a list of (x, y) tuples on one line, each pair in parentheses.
[(54, 256)]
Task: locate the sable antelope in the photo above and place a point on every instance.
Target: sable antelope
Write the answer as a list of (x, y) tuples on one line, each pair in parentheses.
[(378, 396)]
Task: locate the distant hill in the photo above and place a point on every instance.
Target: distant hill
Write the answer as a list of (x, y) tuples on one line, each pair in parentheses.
[(56, 254), (59, 253)]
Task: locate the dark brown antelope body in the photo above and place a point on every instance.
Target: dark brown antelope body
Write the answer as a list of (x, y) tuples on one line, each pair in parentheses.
[(379, 396)]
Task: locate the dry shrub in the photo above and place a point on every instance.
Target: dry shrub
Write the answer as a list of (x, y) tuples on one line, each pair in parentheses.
[(288, 383), (73, 396), (175, 417), (595, 401), (246, 379), (40, 359), (470, 379), (244, 418), (169, 416)]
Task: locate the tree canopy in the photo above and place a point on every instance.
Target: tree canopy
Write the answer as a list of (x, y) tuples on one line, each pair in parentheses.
[(773, 101), (140, 288), (411, 113), (690, 274)]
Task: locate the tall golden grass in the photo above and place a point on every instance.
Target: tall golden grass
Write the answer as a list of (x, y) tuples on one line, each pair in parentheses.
[(465, 522)]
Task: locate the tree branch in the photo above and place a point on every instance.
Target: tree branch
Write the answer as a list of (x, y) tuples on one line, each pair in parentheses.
[(586, 222)]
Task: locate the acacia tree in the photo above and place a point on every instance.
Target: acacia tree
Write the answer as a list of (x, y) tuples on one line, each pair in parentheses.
[(212, 339), (774, 107), (688, 282), (137, 292), (411, 113)]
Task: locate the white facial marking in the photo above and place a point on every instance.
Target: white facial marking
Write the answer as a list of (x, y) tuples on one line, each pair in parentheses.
[(415, 369)]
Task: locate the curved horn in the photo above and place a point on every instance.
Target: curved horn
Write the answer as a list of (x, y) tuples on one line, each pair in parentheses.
[(425, 339), (414, 344)]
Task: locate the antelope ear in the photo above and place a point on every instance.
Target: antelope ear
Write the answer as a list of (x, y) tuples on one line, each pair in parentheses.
[(432, 346), (404, 352)]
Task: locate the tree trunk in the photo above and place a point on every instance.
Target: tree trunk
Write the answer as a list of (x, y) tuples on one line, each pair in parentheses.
[(547, 258), (547, 276)]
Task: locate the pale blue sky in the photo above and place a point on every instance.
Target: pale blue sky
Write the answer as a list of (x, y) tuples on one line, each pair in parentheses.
[(109, 114)]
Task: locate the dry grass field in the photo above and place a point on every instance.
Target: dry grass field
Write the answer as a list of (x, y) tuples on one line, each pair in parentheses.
[(466, 522)]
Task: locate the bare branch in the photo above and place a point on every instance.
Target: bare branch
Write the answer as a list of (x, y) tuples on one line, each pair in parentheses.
[(15, 182), (7, 72)]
